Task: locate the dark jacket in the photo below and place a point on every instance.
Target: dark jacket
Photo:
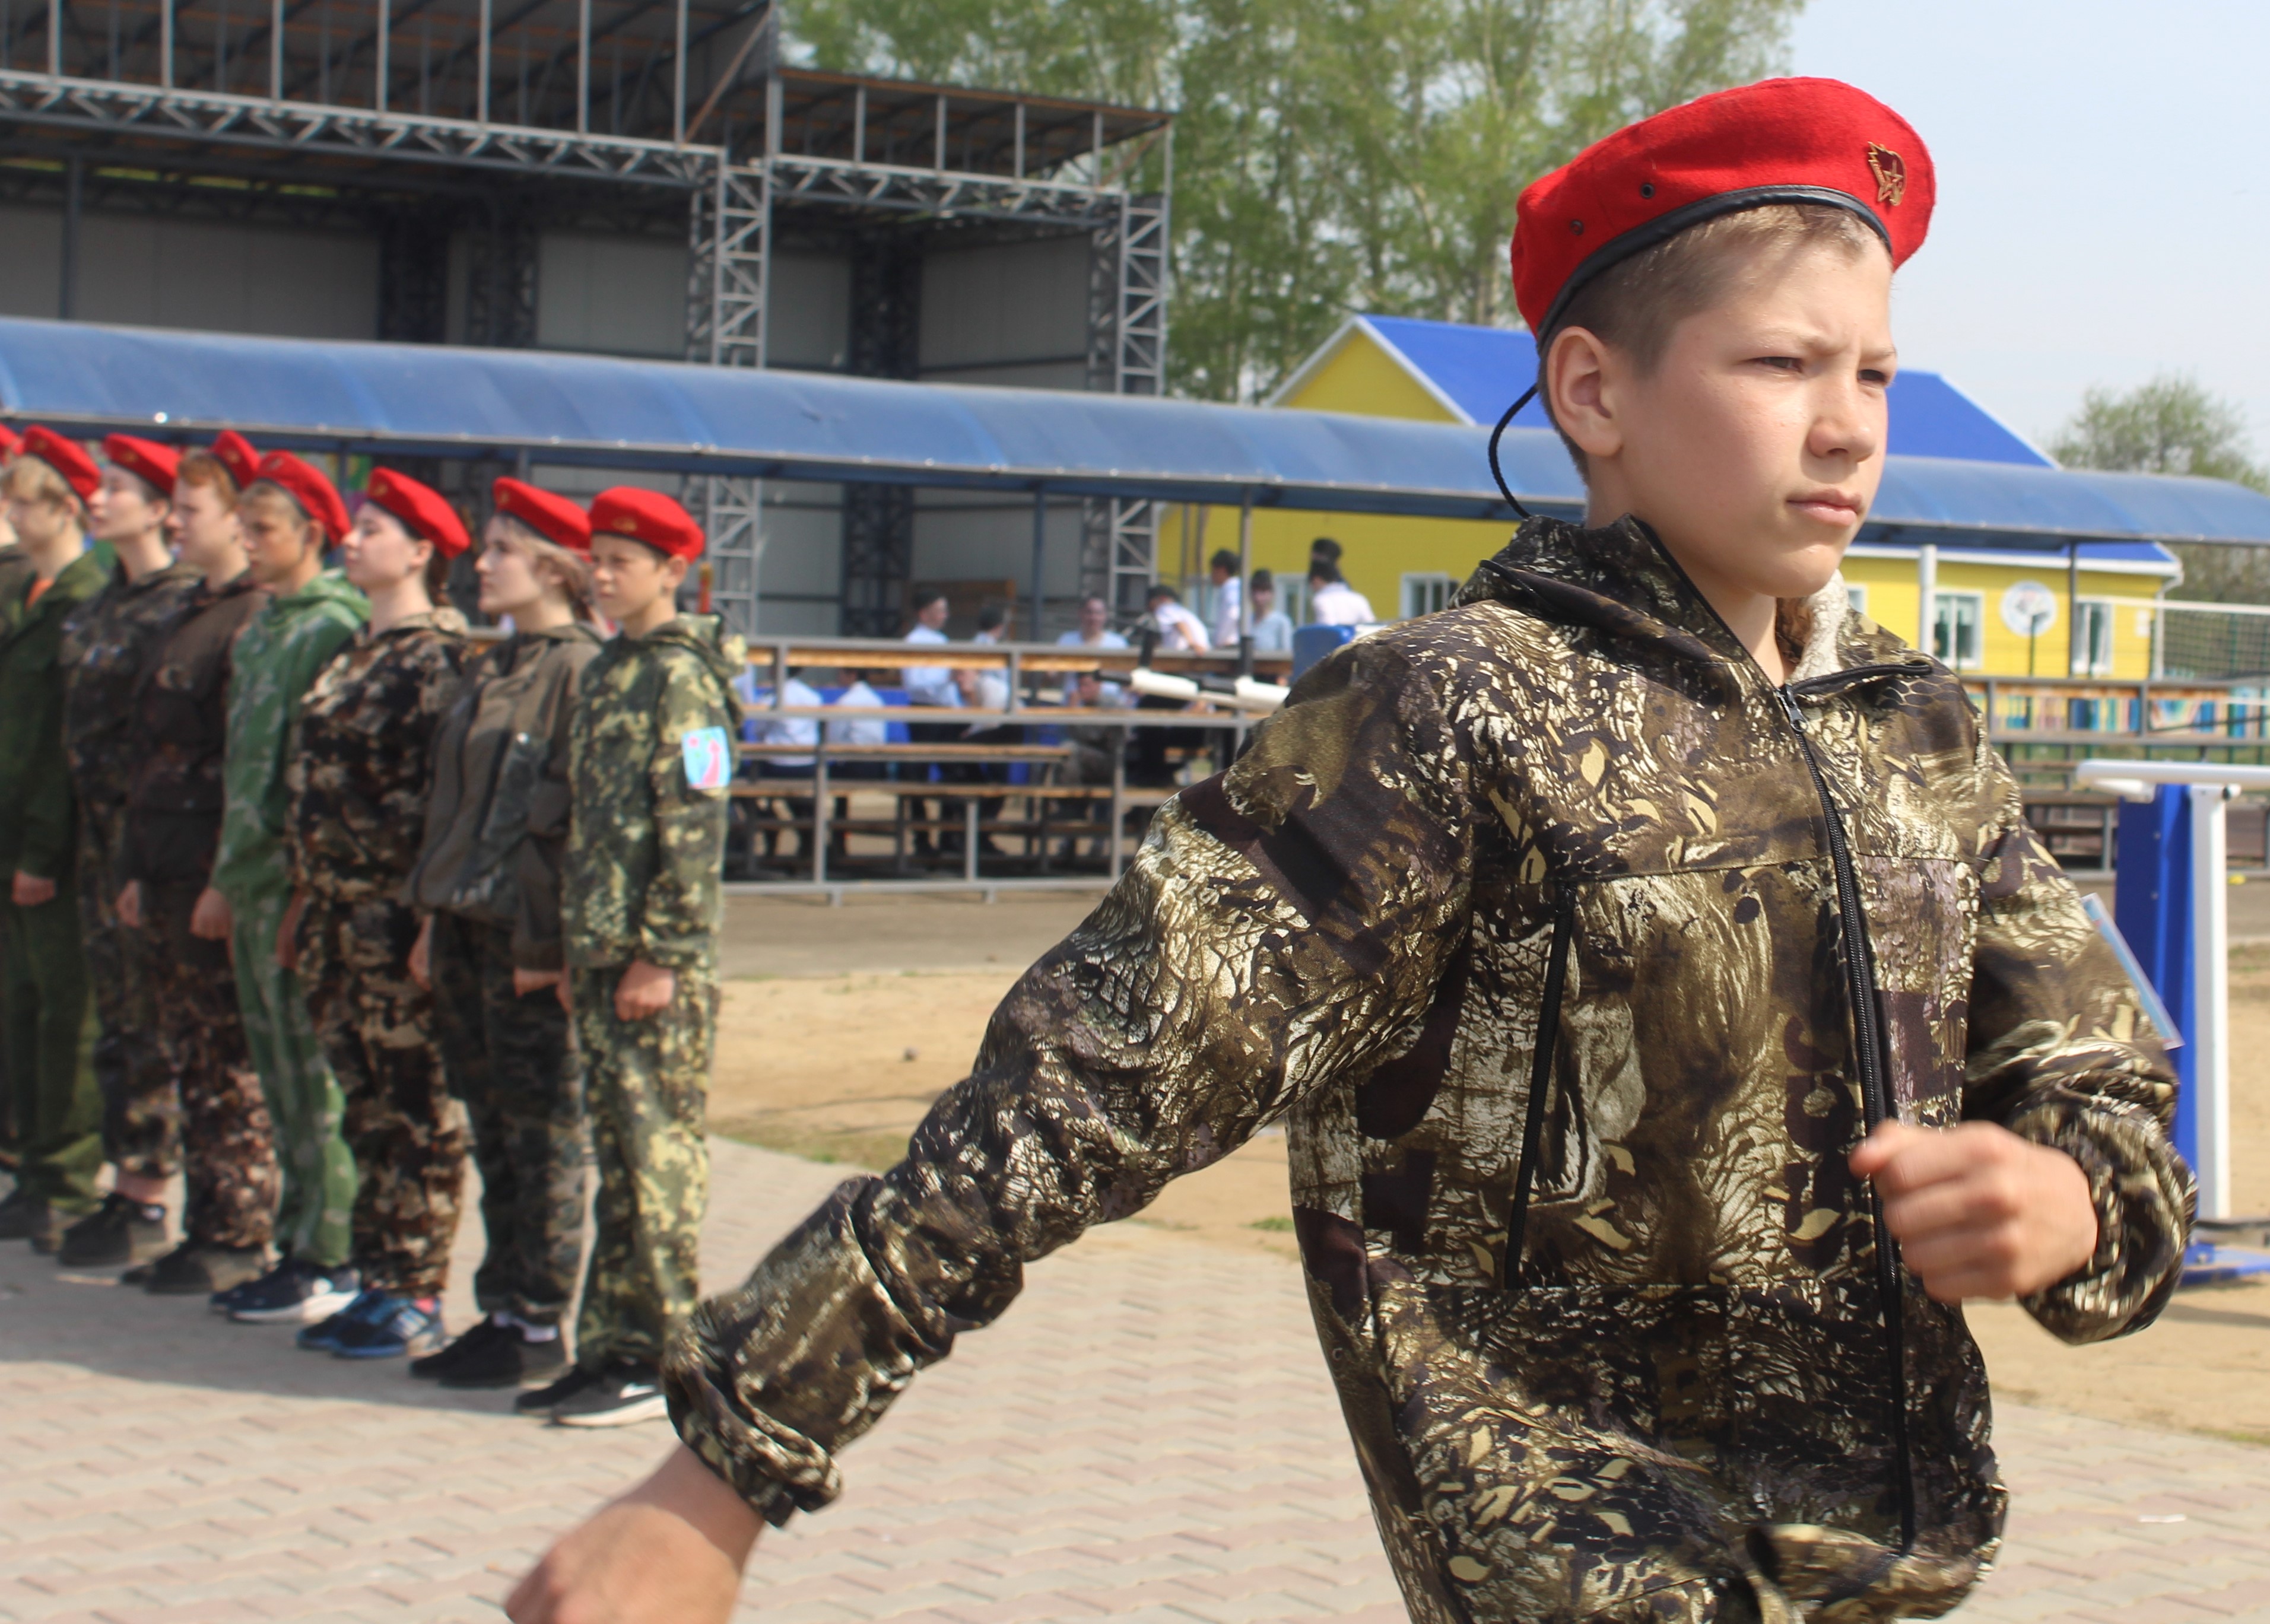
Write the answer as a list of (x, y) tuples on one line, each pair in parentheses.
[(497, 810), (180, 738), (38, 832), (356, 768), (646, 845), (108, 644), (1576, 957)]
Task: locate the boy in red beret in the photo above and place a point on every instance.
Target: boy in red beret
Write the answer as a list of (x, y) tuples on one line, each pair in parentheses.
[(107, 645), (650, 762), (1673, 1016), (290, 516)]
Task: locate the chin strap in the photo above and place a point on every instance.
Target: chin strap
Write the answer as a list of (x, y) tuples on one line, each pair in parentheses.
[(1497, 433)]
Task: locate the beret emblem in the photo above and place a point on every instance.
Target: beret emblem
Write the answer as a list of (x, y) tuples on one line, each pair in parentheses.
[(1891, 173)]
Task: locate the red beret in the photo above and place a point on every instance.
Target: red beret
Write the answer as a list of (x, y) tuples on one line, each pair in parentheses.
[(67, 457), (1776, 141), (557, 519), (9, 441), (316, 495), (155, 465), (424, 509), (648, 517), (234, 453)]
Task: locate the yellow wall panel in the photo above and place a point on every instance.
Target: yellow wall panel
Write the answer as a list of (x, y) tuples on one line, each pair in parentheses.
[(1365, 379)]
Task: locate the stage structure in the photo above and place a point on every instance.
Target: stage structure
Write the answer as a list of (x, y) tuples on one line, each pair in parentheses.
[(462, 134)]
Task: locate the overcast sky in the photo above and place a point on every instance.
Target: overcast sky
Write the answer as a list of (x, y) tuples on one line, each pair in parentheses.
[(2103, 190)]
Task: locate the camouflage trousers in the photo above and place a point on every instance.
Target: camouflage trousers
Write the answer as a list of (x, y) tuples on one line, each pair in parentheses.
[(648, 1084), (141, 1108), (511, 1060), (296, 1081), (46, 1031), (228, 1143), (407, 1135)]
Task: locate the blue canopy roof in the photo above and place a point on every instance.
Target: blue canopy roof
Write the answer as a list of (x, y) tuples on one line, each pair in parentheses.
[(600, 411), (1481, 369)]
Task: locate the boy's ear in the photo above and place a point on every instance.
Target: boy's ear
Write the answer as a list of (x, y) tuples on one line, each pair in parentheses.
[(1581, 375), (673, 570)]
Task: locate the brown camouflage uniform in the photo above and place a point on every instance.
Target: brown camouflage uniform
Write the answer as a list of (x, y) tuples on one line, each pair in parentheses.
[(107, 644), (645, 855), (172, 825), (356, 776), (1528, 919)]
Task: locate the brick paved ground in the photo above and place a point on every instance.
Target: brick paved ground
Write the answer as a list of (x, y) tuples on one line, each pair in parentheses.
[(1148, 1437)]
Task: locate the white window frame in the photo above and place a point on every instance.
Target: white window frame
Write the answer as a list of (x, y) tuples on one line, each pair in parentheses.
[(2096, 636), (1947, 618), (1425, 592)]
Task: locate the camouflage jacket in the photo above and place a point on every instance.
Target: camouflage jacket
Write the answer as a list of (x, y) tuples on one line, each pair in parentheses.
[(646, 846), (179, 735), (107, 644), (39, 826), (279, 652), (1529, 918), (357, 767)]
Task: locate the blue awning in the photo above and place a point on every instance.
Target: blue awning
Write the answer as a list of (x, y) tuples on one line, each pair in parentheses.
[(419, 400)]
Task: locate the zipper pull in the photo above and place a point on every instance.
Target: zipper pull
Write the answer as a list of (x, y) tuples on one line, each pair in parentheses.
[(1788, 707)]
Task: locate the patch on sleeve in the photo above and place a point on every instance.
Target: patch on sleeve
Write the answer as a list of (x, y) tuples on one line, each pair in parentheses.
[(709, 759)]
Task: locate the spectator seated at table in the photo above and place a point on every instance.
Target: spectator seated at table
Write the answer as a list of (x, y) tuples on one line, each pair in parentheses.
[(1273, 627), (761, 725), (1180, 632), (1095, 632)]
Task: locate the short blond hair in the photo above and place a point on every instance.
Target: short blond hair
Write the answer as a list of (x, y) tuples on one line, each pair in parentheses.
[(200, 466), (573, 568), (29, 479)]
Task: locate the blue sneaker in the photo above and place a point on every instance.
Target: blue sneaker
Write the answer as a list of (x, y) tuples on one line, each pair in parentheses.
[(324, 1336), (391, 1327), (295, 1293)]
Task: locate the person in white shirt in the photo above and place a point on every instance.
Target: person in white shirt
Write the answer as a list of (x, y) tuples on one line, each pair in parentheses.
[(1180, 632), (1227, 608), (858, 730), (1273, 627), (928, 684), (1332, 601), (1094, 632), (765, 726), (993, 623)]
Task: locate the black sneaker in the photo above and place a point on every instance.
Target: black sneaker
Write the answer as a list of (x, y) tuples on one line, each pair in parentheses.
[(542, 1401), (22, 1215), (196, 1269), (626, 1391), (297, 1293), (122, 1230), (495, 1356)]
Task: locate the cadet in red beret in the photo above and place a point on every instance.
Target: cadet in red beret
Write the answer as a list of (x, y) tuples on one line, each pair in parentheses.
[(512, 1059), (107, 647), (640, 894), (357, 785), (9, 441), (1672, 1014), (52, 1099), (287, 517), (234, 453)]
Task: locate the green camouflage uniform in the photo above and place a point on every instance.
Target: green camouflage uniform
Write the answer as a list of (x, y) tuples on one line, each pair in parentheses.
[(46, 1019), (1525, 918), (107, 644), (172, 825), (644, 856), (357, 778), (496, 830), (277, 654)]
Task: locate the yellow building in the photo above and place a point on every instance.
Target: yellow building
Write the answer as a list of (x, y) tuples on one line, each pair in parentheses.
[(1997, 613)]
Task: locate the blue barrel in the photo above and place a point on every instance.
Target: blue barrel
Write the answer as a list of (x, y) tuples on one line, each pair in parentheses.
[(1311, 643)]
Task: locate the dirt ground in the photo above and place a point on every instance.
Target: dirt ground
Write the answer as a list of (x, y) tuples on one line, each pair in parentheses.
[(839, 1066)]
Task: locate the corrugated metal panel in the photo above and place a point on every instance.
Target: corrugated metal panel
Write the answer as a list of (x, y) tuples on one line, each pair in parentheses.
[(438, 401)]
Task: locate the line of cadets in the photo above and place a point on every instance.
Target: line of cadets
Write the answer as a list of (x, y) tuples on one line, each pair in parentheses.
[(306, 892)]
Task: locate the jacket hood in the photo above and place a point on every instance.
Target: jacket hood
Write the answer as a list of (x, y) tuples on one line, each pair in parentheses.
[(1621, 580), (723, 653), (329, 587)]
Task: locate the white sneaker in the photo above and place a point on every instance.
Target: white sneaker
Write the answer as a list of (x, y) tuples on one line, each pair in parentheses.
[(297, 1293)]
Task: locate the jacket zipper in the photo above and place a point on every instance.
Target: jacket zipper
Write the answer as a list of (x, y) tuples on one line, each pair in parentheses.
[(1541, 1079), (1870, 1060)]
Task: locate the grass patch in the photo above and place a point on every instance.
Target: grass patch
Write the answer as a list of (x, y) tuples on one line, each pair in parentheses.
[(1275, 1225), (856, 1149)]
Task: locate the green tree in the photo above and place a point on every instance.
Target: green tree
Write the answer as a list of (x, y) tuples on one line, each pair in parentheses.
[(2172, 426), (1330, 155)]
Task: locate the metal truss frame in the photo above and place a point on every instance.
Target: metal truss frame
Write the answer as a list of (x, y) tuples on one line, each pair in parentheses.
[(729, 244), (1127, 355), (153, 112)]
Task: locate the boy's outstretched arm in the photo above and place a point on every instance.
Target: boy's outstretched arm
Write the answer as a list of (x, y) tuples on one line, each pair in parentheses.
[(1283, 925), (2061, 1187)]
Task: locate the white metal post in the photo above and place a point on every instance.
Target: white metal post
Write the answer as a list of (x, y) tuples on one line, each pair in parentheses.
[(1927, 599), (2210, 1033)]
